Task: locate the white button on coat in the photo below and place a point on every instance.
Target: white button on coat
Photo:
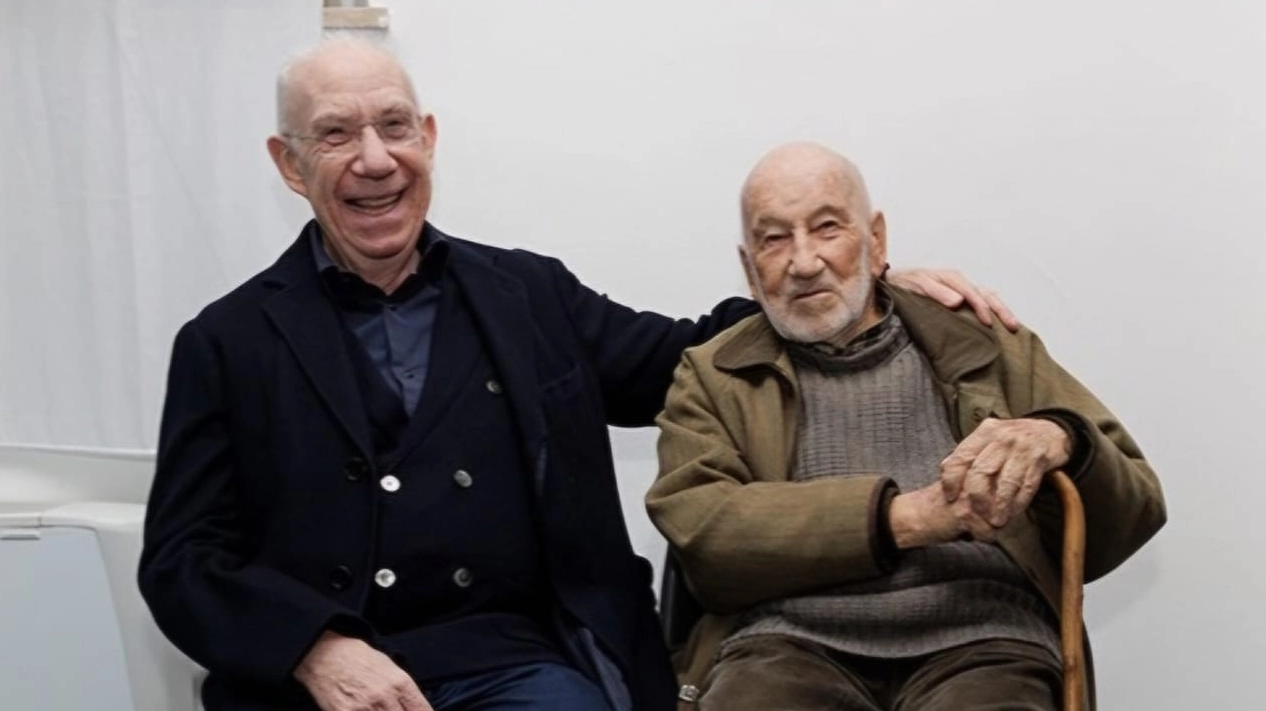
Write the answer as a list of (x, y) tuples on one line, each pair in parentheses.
[(463, 478), (385, 578), (462, 578), (389, 483)]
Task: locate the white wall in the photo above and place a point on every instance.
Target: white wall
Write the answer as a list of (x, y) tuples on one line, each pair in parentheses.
[(1100, 164), (134, 187)]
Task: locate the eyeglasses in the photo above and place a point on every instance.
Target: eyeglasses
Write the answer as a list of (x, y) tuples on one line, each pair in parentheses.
[(393, 131)]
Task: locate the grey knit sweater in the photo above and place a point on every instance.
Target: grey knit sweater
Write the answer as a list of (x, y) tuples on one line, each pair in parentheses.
[(870, 408)]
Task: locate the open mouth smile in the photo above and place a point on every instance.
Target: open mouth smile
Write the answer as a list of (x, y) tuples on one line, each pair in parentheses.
[(375, 205)]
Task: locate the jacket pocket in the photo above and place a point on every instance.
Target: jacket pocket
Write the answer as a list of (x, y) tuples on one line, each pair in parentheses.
[(975, 405), (563, 387)]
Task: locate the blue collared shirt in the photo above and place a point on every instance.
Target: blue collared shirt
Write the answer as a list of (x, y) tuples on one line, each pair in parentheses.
[(395, 330)]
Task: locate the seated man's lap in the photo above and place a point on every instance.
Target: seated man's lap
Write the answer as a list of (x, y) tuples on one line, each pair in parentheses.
[(770, 671), (530, 687), (775, 672), (994, 675)]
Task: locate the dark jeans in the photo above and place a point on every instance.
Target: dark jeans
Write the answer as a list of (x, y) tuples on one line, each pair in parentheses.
[(773, 672), (529, 687)]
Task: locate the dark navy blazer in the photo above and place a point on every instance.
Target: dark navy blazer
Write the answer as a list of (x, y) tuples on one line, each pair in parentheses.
[(252, 529)]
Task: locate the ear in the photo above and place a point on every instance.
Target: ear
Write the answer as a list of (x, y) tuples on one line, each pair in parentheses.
[(878, 244), (287, 164), (749, 271), (429, 134)]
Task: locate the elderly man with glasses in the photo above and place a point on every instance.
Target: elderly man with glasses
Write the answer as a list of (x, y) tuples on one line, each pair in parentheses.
[(384, 478)]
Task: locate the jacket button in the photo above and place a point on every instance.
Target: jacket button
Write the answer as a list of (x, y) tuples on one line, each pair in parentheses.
[(688, 693), (462, 478), (341, 578), (389, 483), (385, 578), (493, 386), (355, 469), (462, 578)]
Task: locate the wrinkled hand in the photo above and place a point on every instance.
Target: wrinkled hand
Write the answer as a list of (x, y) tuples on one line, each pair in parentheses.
[(997, 469), (950, 288), (346, 674), (924, 518)]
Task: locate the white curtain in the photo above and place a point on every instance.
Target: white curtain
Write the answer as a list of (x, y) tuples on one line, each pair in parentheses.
[(134, 188)]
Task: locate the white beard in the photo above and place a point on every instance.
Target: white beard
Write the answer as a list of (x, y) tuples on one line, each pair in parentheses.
[(827, 326)]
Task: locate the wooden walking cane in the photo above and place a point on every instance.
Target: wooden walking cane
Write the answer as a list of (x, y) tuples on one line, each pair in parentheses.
[(1073, 570)]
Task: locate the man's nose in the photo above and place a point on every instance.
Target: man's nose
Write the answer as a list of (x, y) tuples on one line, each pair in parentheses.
[(373, 159), (806, 263)]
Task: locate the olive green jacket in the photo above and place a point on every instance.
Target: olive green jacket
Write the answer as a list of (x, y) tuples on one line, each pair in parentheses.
[(744, 534)]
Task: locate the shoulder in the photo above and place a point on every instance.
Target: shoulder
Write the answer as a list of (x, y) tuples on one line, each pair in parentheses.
[(937, 326), (242, 307), (754, 329), (749, 346), (235, 309), (518, 262), (544, 281)]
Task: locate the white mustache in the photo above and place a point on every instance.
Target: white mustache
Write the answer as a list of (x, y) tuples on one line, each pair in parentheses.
[(806, 289)]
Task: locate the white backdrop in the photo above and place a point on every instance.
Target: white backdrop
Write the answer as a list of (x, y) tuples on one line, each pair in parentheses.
[(1098, 163), (134, 187)]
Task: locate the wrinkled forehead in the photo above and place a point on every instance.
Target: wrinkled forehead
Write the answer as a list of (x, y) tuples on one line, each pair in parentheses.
[(358, 107), (354, 91), (797, 194)]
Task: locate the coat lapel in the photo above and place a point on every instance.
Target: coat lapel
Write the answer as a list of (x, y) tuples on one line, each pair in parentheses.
[(501, 312), (308, 323), (455, 350)]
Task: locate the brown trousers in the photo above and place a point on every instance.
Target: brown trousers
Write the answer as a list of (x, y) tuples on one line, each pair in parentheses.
[(774, 673)]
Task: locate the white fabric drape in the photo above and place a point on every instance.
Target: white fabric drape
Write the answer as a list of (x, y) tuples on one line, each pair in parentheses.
[(134, 187)]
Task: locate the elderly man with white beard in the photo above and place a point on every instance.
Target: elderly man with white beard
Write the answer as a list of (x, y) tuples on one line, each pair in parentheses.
[(852, 480)]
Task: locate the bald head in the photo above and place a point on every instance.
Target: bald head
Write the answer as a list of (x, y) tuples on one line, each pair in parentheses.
[(812, 247), (801, 169), (307, 75)]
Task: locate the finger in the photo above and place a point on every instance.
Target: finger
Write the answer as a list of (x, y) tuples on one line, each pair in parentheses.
[(972, 295), (976, 528), (954, 467), (1028, 489), (953, 282), (960, 466), (980, 530), (953, 472), (1015, 472), (999, 307), (982, 477), (413, 700), (925, 282), (980, 306), (942, 293), (979, 490), (990, 460)]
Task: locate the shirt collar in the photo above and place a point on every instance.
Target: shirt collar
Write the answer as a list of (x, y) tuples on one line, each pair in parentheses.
[(433, 249)]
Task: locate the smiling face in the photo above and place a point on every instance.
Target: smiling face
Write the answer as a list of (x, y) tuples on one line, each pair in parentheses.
[(357, 147), (812, 247)]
